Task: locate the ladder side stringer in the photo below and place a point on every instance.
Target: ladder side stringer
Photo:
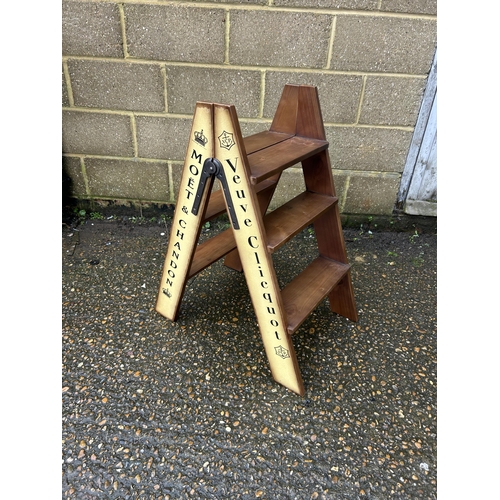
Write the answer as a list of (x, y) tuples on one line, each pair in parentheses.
[(255, 257), (309, 116), (186, 225), (318, 178), (285, 117)]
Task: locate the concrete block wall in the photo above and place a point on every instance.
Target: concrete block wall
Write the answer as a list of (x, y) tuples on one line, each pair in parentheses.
[(132, 71)]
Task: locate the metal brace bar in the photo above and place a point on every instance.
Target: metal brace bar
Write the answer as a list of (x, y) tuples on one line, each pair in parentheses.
[(212, 166)]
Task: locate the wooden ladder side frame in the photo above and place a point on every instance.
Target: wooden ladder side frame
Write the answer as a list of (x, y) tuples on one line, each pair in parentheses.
[(186, 226), (319, 179), (255, 257)]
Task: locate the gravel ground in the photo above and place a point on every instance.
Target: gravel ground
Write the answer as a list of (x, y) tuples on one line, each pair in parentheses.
[(162, 410)]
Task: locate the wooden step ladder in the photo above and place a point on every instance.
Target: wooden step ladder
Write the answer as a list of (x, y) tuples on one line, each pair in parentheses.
[(249, 170)]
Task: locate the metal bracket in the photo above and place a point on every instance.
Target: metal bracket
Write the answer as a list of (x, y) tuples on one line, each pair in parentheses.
[(212, 166)]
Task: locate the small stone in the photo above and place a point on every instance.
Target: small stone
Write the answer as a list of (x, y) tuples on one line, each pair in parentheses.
[(265, 430)]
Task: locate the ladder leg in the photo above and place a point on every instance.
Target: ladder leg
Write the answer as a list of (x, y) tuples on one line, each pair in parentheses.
[(341, 299), (186, 225), (256, 260)]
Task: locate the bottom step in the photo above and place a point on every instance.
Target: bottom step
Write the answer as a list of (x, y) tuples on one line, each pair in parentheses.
[(309, 288), (211, 250)]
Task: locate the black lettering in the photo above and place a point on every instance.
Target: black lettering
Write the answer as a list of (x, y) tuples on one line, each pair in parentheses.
[(175, 254), (196, 157), (237, 179), (191, 182), (233, 167), (244, 207), (189, 193), (267, 296), (171, 273), (181, 221), (277, 335), (250, 241), (173, 264), (264, 284), (274, 323), (194, 169), (271, 310), (178, 245), (240, 194), (247, 222), (169, 282), (179, 234)]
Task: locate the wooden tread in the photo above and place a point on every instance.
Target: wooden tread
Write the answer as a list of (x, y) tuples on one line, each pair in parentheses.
[(302, 295), (212, 250), (266, 162), (286, 221), (262, 140)]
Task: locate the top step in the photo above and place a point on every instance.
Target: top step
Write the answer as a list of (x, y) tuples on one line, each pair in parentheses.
[(272, 152)]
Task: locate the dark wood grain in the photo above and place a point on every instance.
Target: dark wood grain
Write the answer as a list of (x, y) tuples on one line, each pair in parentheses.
[(263, 140), (267, 162), (302, 295), (285, 117), (212, 250), (286, 221)]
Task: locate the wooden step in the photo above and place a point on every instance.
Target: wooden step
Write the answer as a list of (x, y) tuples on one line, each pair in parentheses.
[(212, 250), (266, 162), (302, 295), (286, 221), (263, 140)]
